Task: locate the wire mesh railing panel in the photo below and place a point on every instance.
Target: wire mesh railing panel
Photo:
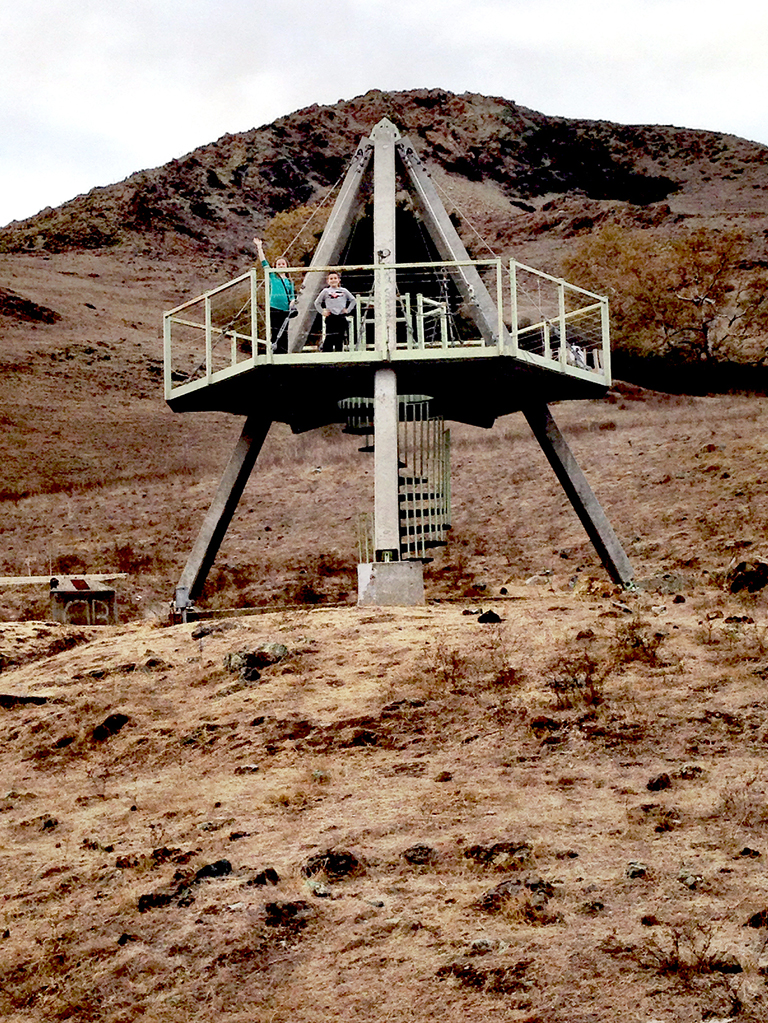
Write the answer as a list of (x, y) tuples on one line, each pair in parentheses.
[(187, 343), (558, 322), (450, 309), (231, 325)]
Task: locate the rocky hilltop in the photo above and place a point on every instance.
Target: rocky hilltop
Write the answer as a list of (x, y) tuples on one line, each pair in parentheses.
[(527, 180)]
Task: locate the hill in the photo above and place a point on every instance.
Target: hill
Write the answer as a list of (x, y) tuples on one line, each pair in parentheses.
[(403, 814), (526, 178)]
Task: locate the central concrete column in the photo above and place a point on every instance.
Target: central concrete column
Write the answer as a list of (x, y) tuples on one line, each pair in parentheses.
[(386, 539), (387, 581)]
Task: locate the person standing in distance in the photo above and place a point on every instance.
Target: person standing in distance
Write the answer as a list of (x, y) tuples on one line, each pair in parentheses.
[(334, 304), (282, 298)]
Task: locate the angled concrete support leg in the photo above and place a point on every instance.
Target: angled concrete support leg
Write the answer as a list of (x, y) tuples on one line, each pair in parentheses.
[(574, 483), (222, 509)]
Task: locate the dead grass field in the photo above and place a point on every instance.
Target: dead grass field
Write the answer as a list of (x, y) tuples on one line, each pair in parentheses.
[(410, 815), (555, 819)]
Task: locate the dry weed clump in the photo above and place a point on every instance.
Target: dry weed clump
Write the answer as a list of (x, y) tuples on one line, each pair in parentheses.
[(744, 803), (636, 642), (577, 679)]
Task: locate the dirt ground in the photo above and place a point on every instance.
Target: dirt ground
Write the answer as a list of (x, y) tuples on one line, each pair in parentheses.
[(557, 818), (408, 815)]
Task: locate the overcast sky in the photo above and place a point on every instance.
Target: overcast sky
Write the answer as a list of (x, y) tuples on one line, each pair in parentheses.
[(93, 90)]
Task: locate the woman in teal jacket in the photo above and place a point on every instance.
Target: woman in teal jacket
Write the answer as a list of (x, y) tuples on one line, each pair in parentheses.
[(282, 297)]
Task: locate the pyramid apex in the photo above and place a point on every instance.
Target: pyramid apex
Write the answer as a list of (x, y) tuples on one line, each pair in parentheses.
[(385, 127)]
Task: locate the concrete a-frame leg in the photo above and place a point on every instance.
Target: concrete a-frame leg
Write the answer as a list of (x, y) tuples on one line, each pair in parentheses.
[(222, 509), (579, 492)]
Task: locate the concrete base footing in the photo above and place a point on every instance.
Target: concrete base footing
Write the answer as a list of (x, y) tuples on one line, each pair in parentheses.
[(390, 584)]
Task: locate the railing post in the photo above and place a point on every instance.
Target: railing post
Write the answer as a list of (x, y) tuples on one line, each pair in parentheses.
[(547, 347), (563, 355), (208, 340), (605, 322), (254, 314), (513, 305), (500, 309), (167, 368), (267, 317)]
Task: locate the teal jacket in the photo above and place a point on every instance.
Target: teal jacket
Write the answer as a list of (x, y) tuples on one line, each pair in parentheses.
[(281, 290)]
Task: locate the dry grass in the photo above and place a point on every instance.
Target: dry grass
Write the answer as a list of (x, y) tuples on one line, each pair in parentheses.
[(537, 746), (493, 822)]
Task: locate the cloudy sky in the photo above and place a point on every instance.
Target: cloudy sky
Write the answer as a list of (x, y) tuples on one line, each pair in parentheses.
[(93, 90)]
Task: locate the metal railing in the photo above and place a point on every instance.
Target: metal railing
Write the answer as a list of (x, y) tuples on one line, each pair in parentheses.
[(471, 309)]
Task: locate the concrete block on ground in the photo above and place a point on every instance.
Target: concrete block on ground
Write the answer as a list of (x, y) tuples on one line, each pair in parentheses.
[(390, 584)]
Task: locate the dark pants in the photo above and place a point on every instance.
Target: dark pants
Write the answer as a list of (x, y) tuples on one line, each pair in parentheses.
[(278, 317), (335, 333)]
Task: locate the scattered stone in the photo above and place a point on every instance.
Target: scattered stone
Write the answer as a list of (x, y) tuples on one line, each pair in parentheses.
[(501, 855), (247, 769), (293, 915), (585, 634), (661, 781), (8, 701), (248, 662), (125, 938), (489, 618), (420, 855), (749, 575), (751, 853), (690, 772), (594, 908), (637, 869), (650, 920), (216, 825), (759, 919), (666, 584), (444, 776), (270, 653), (5, 934), (566, 854), (688, 878), (335, 864), (472, 611), (218, 869), (481, 947), (235, 836), (725, 962), (264, 877), (319, 888), (156, 664), (109, 726)]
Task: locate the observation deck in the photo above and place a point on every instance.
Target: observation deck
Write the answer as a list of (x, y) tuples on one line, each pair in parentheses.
[(482, 338)]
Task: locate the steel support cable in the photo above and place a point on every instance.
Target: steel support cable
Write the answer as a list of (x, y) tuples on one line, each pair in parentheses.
[(314, 213), (463, 216)]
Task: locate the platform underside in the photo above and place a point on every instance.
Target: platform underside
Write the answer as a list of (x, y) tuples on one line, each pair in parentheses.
[(467, 391)]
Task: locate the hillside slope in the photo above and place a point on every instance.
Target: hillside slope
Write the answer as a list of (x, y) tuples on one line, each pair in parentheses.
[(523, 174), (408, 815)]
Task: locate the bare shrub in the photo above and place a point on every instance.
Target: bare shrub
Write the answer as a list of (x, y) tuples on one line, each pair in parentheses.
[(744, 803), (577, 679), (635, 642)]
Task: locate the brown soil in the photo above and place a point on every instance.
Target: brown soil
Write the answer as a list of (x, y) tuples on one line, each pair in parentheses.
[(557, 819)]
